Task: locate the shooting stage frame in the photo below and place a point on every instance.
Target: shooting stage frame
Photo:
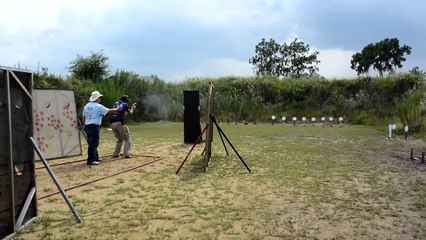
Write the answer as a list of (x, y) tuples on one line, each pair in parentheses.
[(18, 195), (211, 122)]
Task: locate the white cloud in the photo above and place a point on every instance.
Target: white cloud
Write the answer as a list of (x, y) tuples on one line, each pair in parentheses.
[(27, 16), (228, 14), (335, 63), (55, 31), (213, 68)]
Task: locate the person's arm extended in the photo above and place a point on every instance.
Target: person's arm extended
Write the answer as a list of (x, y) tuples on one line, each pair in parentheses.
[(113, 111), (131, 108)]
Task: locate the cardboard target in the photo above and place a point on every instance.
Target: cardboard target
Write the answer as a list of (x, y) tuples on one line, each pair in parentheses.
[(55, 123)]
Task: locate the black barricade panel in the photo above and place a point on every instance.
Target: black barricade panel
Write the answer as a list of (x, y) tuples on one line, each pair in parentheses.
[(16, 150), (22, 150), (6, 221), (191, 116)]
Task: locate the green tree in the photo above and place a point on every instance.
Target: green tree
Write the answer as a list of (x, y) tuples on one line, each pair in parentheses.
[(288, 60), (49, 80), (266, 61), (417, 71), (384, 56), (95, 67)]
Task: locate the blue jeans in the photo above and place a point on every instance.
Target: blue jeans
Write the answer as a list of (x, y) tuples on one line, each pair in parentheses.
[(92, 132)]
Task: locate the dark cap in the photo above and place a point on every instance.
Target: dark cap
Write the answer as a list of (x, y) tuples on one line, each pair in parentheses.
[(125, 98)]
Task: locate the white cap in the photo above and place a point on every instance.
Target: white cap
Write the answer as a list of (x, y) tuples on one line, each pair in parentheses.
[(95, 96)]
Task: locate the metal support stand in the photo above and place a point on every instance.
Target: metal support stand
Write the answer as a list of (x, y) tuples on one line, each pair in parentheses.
[(58, 185), (21, 217), (223, 143), (235, 150)]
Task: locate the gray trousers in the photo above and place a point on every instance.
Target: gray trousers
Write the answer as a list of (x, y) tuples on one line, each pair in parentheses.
[(122, 134)]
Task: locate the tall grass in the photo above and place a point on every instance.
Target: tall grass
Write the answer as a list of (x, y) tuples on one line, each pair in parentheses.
[(412, 109), (363, 100)]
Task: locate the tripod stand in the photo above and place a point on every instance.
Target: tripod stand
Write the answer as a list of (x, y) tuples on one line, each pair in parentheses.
[(221, 134)]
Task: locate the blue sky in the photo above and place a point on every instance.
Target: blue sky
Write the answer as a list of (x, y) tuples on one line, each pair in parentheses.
[(180, 39)]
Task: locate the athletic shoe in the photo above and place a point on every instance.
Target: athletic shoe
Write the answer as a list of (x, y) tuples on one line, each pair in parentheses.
[(94, 163), (128, 156)]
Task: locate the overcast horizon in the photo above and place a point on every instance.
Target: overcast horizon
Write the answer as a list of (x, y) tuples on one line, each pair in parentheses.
[(177, 40)]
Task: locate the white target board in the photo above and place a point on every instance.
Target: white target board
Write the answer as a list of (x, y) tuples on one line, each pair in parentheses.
[(55, 123)]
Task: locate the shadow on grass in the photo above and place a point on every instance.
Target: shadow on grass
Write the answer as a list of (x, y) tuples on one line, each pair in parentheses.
[(192, 169)]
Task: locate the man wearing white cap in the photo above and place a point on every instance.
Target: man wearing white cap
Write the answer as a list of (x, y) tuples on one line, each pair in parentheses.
[(92, 119)]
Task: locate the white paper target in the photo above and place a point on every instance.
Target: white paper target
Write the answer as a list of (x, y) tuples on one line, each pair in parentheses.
[(55, 123)]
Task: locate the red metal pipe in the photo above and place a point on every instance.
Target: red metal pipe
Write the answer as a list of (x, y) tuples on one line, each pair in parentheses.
[(99, 179)]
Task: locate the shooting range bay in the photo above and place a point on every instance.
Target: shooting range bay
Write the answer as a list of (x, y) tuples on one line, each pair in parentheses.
[(305, 182)]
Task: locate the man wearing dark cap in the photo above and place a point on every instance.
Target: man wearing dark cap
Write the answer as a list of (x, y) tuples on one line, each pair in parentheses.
[(120, 129)]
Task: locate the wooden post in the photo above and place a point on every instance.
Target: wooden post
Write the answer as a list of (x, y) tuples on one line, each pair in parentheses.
[(209, 133)]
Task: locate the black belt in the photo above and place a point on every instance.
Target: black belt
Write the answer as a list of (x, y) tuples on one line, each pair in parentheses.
[(92, 125)]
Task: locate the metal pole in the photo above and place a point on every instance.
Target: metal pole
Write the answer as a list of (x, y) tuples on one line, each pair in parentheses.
[(232, 146), (58, 185), (192, 148), (25, 209), (223, 142), (11, 166)]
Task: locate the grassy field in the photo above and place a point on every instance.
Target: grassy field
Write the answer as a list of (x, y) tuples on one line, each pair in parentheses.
[(306, 182)]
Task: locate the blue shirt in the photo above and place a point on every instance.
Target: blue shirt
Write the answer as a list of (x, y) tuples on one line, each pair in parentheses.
[(119, 117), (93, 113)]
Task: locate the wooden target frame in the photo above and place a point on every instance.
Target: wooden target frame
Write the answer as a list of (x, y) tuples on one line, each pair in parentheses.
[(211, 122), (18, 200), (209, 134), (18, 195)]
